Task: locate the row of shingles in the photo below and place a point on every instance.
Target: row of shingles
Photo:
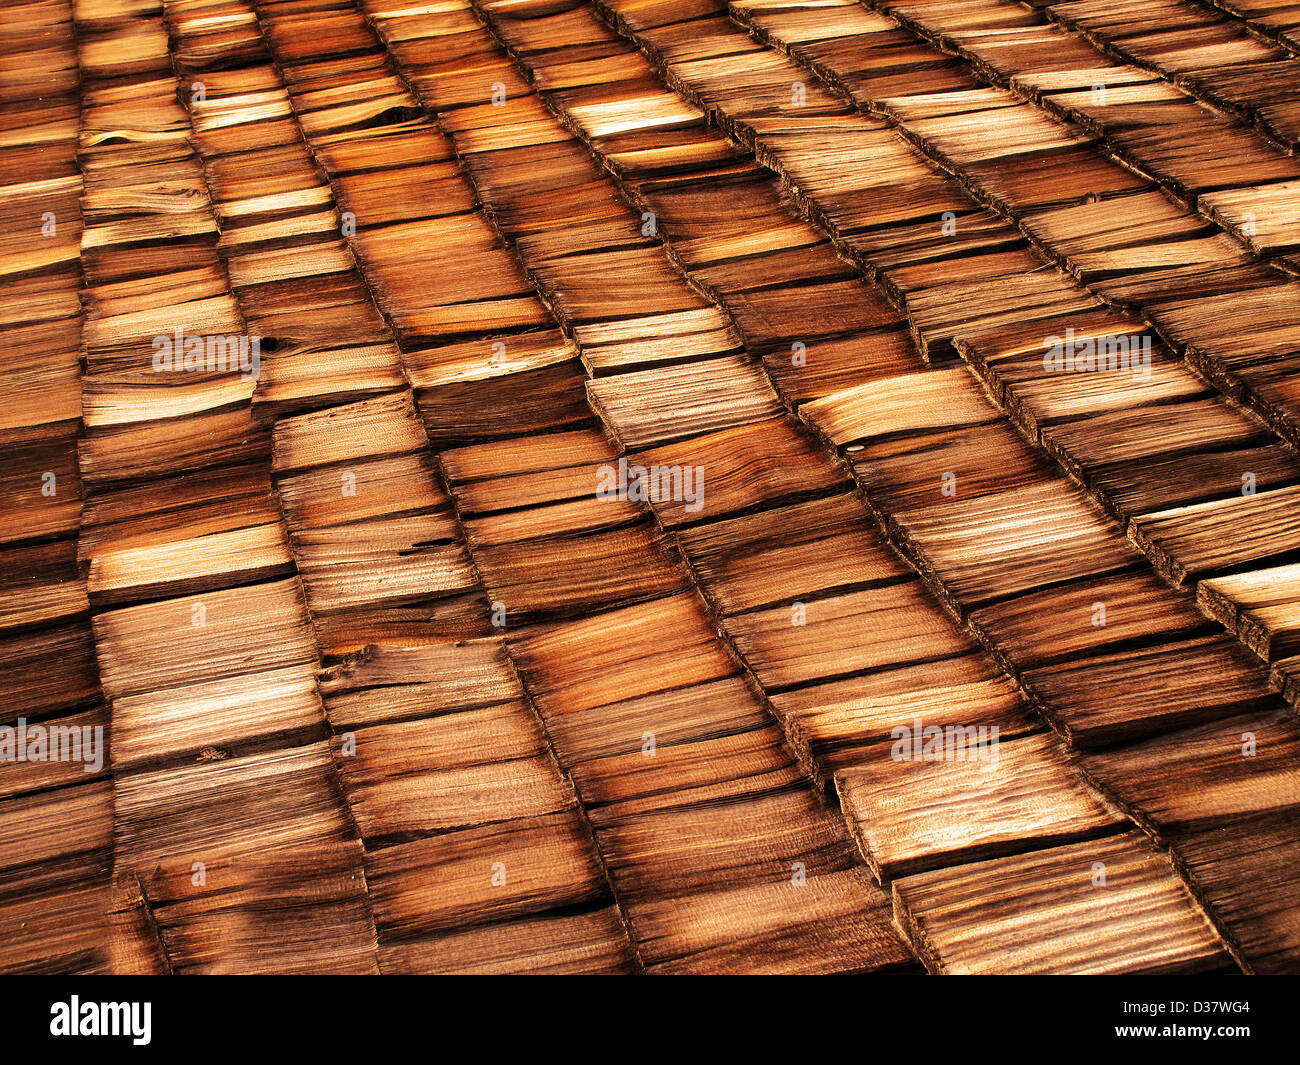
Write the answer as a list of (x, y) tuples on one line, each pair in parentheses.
[(424, 209), (56, 817), (1260, 606), (900, 243), (721, 855), (1013, 47), (840, 397), (1211, 54), (995, 461), (290, 271), (1220, 62), (886, 220), (611, 347), (606, 735), (1216, 857), (805, 610), (1171, 815), (906, 243), (1231, 319), (1265, 619), (1187, 301), (1278, 20), (1278, 858), (730, 76), (1069, 235), (1243, 340), (476, 857), (612, 106), (233, 850), (756, 304)]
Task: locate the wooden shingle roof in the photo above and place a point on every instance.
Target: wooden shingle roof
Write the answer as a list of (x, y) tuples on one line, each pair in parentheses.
[(665, 486)]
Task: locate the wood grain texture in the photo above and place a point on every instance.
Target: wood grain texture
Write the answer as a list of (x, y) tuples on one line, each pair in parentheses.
[(657, 420), (911, 815), (984, 917)]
